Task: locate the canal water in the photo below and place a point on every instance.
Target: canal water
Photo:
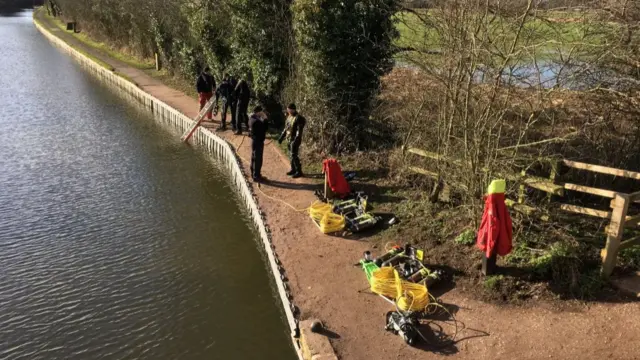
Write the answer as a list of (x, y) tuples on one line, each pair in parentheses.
[(116, 240)]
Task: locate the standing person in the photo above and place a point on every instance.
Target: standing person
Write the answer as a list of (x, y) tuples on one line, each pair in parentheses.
[(242, 95), (293, 129), (205, 84), (225, 91), (258, 128)]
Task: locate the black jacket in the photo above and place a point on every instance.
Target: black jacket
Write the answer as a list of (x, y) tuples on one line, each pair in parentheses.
[(225, 91), (293, 129), (242, 93), (205, 83), (258, 128)]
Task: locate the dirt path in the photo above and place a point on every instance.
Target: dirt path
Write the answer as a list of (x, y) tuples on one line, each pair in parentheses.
[(326, 285)]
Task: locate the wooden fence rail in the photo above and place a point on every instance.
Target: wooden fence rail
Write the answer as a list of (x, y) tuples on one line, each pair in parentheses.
[(620, 203)]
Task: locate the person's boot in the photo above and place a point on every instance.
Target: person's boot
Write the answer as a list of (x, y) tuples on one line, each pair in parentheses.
[(290, 173), (297, 175)]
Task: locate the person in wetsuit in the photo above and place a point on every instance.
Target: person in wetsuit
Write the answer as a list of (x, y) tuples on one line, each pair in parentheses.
[(205, 85), (258, 128), (242, 95), (293, 130), (225, 91)]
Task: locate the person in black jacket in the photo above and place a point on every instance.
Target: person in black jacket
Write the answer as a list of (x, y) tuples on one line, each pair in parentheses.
[(294, 127), (242, 95), (205, 84), (258, 128), (225, 91)]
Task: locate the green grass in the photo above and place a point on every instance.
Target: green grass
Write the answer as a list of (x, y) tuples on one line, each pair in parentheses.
[(146, 65), (97, 60), (544, 34), (492, 283), (133, 61), (467, 237)]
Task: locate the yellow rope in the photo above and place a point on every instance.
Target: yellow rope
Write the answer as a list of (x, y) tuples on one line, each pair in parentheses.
[(279, 200), (408, 296), (318, 210), (327, 220)]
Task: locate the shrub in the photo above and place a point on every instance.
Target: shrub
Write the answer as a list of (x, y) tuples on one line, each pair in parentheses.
[(343, 49)]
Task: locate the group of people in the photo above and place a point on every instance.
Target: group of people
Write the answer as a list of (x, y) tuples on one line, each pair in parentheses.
[(235, 96)]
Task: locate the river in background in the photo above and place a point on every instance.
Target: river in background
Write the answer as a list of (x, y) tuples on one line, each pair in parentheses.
[(116, 240)]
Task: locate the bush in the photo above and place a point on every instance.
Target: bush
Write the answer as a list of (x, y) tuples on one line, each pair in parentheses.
[(261, 39), (630, 258), (344, 47)]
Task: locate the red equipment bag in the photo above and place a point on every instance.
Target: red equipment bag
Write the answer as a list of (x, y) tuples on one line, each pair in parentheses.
[(335, 178)]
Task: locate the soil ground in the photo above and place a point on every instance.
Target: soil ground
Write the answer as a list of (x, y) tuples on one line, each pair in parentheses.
[(327, 285)]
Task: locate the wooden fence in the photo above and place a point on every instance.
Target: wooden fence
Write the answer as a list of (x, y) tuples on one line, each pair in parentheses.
[(620, 202)]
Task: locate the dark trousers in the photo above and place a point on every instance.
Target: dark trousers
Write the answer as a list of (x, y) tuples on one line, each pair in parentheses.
[(223, 116), (257, 149), (294, 150), (241, 115)]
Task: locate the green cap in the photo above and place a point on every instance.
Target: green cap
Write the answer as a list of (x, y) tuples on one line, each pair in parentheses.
[(497, 187)]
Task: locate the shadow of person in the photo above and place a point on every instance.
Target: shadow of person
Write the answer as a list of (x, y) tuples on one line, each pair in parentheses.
[(328, 333), (291, 186)]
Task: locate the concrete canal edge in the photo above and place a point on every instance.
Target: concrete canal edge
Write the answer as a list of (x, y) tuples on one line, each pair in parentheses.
[(308, 344)]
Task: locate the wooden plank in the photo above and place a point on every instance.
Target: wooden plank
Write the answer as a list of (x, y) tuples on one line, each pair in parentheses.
[(629, 243), (602, 169), (635, 197), (543, 184), (457, 162), (589, 190), (434, 175), (632, 220), (521, 208), (426, 154), (586, 211), (423, 171), (616, 229)]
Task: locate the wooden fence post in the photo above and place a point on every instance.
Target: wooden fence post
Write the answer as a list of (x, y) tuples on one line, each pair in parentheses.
[(555, 166), (616, 230), (158, 66), (522, 189)]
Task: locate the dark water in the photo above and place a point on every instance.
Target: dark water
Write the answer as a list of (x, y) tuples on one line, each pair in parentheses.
[(116, 241)]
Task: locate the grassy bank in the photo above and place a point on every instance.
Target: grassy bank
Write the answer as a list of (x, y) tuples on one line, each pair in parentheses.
[(145, 64), (422, 27), (545, 34)]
